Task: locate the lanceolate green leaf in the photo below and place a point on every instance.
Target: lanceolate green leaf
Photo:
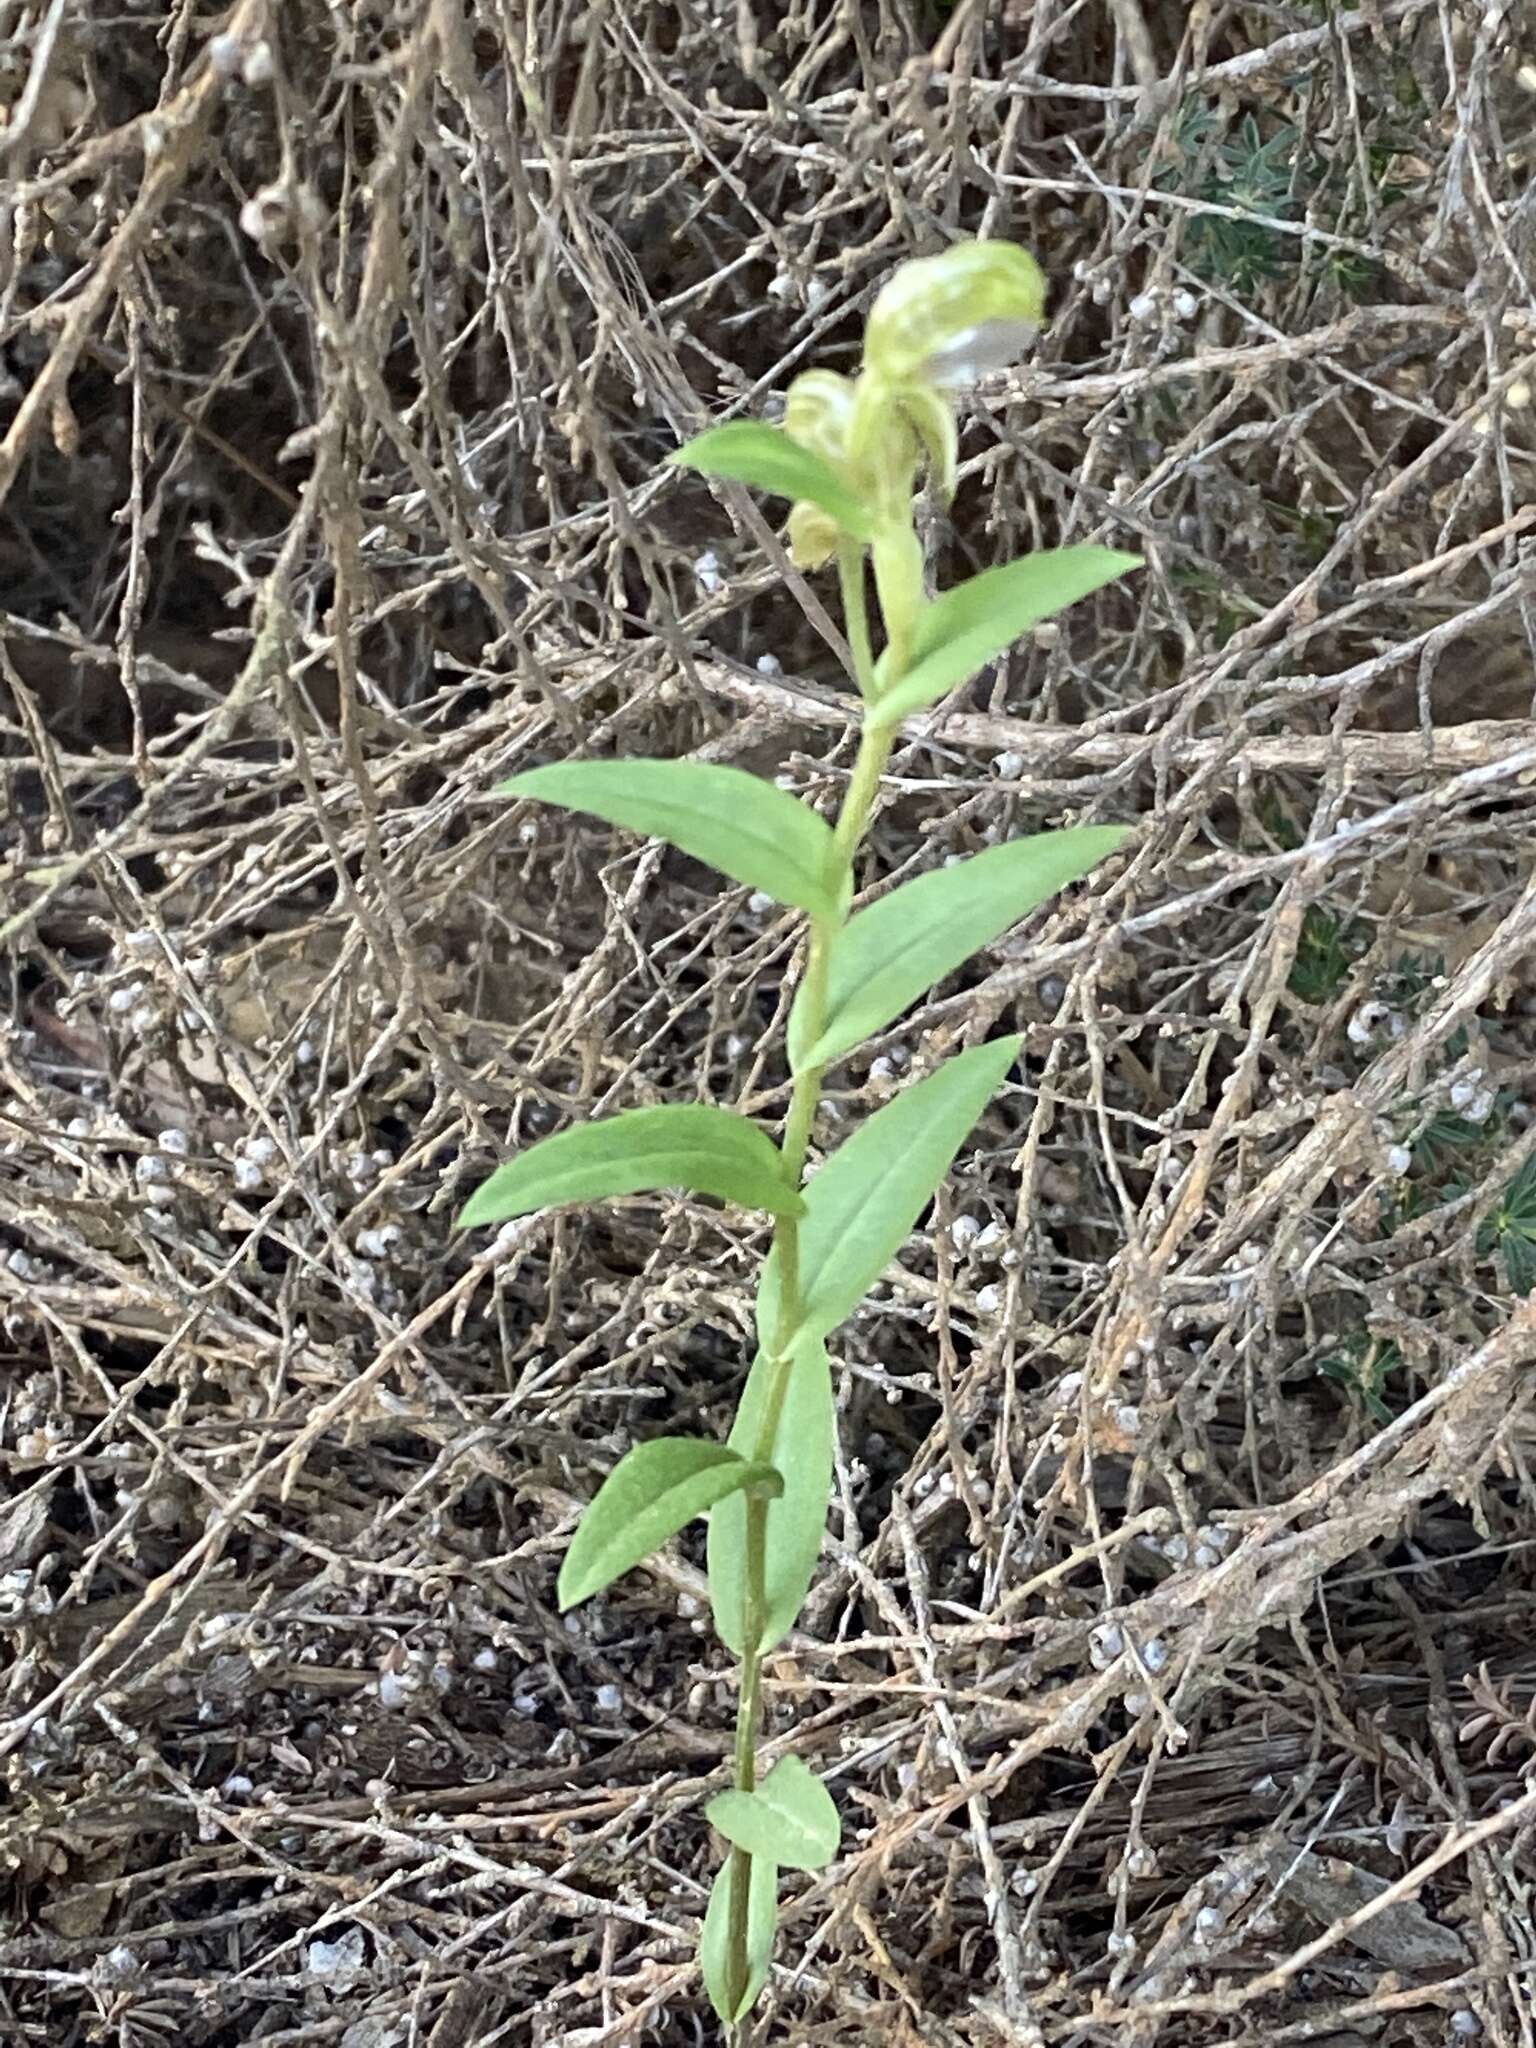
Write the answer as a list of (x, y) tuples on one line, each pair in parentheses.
[(885, 957), (653, 1491), (790, 1818), (861, 1206), (749, 829), (680, 1145), (796, 1521), (751, 452), (960, 632), (734, 2001)]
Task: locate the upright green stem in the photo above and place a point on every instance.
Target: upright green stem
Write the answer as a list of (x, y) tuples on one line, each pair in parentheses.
[(805, 1097)]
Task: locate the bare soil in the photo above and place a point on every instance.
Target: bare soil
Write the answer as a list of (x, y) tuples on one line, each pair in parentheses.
[(1171, 1658)]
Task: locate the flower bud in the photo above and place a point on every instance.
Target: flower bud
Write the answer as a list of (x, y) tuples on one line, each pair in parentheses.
[(813, 535), (946, 320), (818, 411)]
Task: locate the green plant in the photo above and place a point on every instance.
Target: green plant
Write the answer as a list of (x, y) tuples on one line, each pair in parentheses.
[(1249, 175), (1326, 950), (1511, 1230), (1314, 530), (1441, 1142), (848, 456), (1257, 179), (1361, 1364)]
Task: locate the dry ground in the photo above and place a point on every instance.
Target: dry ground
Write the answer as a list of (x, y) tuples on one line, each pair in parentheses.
[(1171, 1659)]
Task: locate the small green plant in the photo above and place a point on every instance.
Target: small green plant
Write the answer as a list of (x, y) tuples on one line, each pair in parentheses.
[(1441, 1142), (1362, 1363), (1511, 1231), (1314, 531), (1326, 950), (848, 457), (1258, 179), (1250, 175)]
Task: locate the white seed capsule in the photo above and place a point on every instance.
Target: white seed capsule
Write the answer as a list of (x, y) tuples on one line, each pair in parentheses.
[(1105, 1644)]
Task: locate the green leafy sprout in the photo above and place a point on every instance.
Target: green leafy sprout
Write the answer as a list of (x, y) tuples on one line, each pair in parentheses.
[(1326, 951), (1511, 1230), (1249, 174), (848, 457), (1362, 1364), (1259, 178)]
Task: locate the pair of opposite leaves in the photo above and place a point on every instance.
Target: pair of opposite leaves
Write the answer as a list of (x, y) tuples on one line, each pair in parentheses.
[(788, 1820)]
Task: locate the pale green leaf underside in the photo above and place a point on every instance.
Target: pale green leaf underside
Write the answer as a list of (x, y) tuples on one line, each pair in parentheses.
[(734, 2002), (796, 1521), (861, 1205), (752, 452), (790, 1818), (960, 632), (749, 829), (655, 1489), (678, 1145), (890, 954)]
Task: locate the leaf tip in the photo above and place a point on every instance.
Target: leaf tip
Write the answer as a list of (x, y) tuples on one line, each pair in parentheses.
[(1007, 1049), (567, 1595), (483, 1207), (766, 1480)]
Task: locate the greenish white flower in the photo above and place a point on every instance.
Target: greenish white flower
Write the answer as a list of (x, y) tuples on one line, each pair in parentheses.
[(937, 325), (946, 320)]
